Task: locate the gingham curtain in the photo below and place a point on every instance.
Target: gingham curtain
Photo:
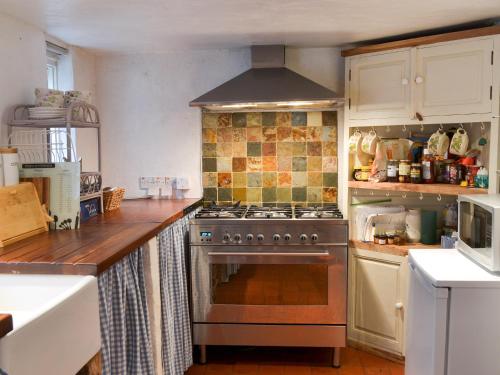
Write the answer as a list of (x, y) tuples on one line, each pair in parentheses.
[(176, 328), (125, 331)]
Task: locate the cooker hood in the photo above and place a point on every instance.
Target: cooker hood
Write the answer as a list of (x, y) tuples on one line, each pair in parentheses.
[(268, 86)]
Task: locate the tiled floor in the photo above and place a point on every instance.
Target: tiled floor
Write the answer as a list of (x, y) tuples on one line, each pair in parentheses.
[(292, 361)]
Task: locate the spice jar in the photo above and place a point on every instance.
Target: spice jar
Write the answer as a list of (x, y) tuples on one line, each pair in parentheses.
[(427, 167), (416, 173), (376, 239), (392, 171), (404, 171), (390, 239), (382, 239)]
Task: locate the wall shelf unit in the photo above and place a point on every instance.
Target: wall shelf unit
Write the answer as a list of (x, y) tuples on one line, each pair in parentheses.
[(443, 189)]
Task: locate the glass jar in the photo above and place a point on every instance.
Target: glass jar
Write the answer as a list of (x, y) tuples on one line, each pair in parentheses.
[(356, 174), (365, 172), (456, 173), (382, 239), (416, 173), (443, 171), (404, 171), (427, 167), (392, 171)]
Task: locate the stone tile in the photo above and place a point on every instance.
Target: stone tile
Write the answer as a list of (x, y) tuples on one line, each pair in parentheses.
[(269, 163), (299, 149), (224, 135), (224, 149), (284, 179), (224, 180), (329, 118), (283, 119), (224, 164), (210, 194), (224, 120), (284, 194), (239, 120), (299, 118), (254, 164), (314, 149), (240, 194), (330, 164), (254, 179), (239, 135), (254, 119), (299, 194), (225, 194), (314, 163), (209, 150), (254, 194), (314, 179), (329, 148), (299, 179), (209, 135), (269, 149), (284, 148), (329, 134), (239, 164), (209, 164), (299, 134), (314, 119), (284, 163), (299, 163), (209, 179), (240, 179), (254, 149), (330, 179), (269, 134), (330, 195), (254, 134), (268, 118), (209, 120), (314, 134), (314, 194), (269, 179), (269, 194), (284, 134), (239, 149)]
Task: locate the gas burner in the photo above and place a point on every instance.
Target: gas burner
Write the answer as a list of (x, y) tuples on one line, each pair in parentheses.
[(320, 212), (222, 212), (255, 212)]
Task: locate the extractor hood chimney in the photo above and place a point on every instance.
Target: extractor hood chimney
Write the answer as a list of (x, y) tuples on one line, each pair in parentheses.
[(268, 86)]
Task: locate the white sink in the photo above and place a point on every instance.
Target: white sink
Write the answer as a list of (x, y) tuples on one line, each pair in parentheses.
[(56, 323)]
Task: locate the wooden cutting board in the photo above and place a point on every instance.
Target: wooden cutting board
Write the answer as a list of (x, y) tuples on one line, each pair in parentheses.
[(42, 186), (21, 214)]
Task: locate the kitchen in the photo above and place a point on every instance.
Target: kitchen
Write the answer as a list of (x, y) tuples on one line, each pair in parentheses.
[(270, 173)]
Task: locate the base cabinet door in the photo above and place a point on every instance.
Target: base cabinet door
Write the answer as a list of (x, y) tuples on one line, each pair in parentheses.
[(377, 298)]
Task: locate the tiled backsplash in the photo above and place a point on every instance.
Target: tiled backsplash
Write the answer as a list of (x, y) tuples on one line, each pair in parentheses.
[(270, 157)]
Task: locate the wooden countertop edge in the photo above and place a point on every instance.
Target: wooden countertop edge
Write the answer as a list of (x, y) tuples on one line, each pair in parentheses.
[(6, 324), (398, 250)]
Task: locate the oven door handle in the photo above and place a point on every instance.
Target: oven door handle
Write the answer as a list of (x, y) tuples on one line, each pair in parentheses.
[(268, 254)]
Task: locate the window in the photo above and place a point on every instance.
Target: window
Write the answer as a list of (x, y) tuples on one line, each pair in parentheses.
[(52, 71)]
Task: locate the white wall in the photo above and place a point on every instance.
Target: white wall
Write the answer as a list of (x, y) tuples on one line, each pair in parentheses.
[(23, 66), (148, 128)]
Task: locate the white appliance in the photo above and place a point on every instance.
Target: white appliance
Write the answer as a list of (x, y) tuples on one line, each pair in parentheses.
[(453, 317), (479, 229)]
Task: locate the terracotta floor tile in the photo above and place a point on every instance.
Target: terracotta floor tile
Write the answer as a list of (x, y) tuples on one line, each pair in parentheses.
[(271, 370), (245, 369), (370, 360), (354, 370), (197, 370), (219, 369), (397, 369), (377, 371), (324, 371), (297, 370)]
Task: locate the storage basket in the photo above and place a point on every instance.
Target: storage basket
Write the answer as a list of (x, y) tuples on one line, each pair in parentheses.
[(112, 198)]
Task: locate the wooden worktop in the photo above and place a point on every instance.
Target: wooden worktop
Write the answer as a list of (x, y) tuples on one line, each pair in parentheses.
[(98, 244), (6, 324)]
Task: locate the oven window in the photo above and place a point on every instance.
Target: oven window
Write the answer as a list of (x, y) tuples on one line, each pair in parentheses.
[(269, 284), (475, 226)]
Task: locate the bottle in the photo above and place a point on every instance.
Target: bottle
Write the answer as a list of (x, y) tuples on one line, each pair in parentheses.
[(427, 167), (404, 171)]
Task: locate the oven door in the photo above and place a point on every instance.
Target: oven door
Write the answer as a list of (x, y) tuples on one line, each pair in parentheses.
[(296, 285)]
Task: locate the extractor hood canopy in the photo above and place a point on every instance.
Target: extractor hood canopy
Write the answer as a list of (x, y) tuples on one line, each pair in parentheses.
[(268, 86)]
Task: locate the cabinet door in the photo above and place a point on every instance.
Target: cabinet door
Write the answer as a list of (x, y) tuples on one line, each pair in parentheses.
[(454, 78), (377, 296), (379, 86)]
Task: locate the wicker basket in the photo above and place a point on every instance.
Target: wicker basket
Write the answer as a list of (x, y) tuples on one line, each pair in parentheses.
[(112, 198)]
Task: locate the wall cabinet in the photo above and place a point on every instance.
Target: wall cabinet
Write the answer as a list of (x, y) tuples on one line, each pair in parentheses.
[(377, 298), (452, 78)]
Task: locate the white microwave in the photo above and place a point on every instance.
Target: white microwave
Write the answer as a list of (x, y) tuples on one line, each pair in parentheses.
[(479, 229)]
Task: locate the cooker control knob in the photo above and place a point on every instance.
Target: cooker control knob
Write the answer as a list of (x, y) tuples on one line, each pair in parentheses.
[(260, 237), (287, 237), (249, 237), (314, 237), (303, 237), (237, 237), (276, 237), (226, 237)]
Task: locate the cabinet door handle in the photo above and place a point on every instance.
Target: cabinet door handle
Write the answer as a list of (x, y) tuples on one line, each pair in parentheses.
[(404, 81), (399, 306), (419, 80)]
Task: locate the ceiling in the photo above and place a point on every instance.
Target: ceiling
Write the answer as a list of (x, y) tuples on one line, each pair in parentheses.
[(159, 25)]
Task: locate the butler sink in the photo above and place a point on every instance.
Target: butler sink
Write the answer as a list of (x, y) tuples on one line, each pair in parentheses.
[(56, 323)]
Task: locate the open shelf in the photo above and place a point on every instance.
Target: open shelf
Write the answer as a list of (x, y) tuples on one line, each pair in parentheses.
[(400, 250), (443, 189)]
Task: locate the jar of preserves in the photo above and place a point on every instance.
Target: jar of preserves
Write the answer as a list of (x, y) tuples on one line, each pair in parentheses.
[(416, 173), (443, 171), (365, 172), (457, 174), (382, 239), (392, 171), (404, 171)]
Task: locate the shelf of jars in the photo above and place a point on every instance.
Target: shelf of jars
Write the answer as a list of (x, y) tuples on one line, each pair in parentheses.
[(443, 189)]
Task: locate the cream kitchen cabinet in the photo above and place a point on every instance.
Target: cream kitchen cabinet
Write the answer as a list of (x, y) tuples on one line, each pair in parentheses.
[(377, 298)]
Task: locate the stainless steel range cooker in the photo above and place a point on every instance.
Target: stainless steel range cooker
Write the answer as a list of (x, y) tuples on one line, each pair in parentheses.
[(263, 276)]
